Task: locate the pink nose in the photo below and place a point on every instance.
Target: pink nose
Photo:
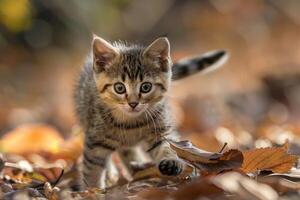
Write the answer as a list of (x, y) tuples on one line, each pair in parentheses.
[(133, 104)]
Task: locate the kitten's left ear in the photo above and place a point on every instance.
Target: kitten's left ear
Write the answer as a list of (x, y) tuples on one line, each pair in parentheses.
[(159, 50)]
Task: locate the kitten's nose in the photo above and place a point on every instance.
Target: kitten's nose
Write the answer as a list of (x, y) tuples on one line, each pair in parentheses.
[(133, 104)]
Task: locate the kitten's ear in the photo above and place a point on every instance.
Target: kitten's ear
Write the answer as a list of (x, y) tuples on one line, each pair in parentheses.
[(159, 50), (103, 53)]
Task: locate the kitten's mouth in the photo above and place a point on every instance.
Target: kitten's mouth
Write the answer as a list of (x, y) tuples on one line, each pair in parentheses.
[(134, 112)]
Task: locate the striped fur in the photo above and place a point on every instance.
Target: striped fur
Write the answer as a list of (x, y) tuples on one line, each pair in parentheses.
[(104, 114), (203, 63)]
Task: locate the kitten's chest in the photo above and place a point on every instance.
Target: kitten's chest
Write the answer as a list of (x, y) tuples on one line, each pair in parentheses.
[(144, 129), (131, 137)]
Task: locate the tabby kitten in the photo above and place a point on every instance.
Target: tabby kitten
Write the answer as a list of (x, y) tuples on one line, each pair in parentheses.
[(121, 100)]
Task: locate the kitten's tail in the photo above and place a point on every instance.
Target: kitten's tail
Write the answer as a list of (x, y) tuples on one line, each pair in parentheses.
[(203, 63)]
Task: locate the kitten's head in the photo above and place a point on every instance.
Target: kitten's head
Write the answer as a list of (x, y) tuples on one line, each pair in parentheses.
[(131, 79)]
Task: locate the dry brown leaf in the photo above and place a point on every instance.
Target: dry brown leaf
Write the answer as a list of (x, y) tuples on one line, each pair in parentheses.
[(51, 174), (186, 150), (230, 160), (31, 175), (35, 138), (244, 187), (208, 161), (197, 189), (275, 159), (203, 160), (281, 185), (153, 194), (70, 149), (206, 141), (293, 175), (43, 140)]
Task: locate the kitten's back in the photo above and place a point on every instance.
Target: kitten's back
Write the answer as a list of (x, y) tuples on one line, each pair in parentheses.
[(85, 92)]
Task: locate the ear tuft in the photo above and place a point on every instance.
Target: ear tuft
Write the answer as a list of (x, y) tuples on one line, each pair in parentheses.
[(103, 53)]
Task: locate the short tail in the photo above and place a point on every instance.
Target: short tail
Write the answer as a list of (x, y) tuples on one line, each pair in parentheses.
[(203, 63)]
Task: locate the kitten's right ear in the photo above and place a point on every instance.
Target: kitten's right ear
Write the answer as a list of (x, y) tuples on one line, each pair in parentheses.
[(159, 49), (103, 54)]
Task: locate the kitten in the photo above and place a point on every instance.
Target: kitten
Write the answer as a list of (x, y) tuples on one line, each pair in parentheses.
[(121, 100)]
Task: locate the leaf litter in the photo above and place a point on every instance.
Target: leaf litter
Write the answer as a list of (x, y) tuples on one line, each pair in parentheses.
[(37, 163), (230, 174)]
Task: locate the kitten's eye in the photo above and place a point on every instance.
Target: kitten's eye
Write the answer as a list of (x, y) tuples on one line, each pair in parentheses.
[(119, 88), (146, 87)]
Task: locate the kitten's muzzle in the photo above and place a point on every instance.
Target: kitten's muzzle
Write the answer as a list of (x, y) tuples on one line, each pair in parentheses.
[(133, 104)]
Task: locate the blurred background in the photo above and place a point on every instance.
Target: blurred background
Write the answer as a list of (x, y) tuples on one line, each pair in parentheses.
[(43, 45)]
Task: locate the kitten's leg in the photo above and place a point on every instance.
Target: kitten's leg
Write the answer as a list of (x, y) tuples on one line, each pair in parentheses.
[(95, 155), (168, 162)]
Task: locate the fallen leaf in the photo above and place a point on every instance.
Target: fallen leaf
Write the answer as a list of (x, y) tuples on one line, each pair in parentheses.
[(29, 139), (208, 161), (186, 150), (71, 149), (197, 189), (244, 187), (31, 175), (275, 159), (206, 140), (281, 185), (51, 174), (231, 159), (153, 194), (292, 175)]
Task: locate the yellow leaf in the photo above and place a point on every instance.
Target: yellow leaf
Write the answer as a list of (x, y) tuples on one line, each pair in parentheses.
[(29, 139)]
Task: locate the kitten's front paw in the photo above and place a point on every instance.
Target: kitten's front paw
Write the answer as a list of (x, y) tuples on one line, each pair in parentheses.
[(170, 167)]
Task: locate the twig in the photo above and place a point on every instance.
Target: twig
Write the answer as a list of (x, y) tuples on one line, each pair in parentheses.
[(53, 184), (225, 144), (59, 178)]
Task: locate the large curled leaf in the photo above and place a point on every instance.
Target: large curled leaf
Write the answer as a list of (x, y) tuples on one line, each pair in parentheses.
[(275, 159), (208, 161)]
